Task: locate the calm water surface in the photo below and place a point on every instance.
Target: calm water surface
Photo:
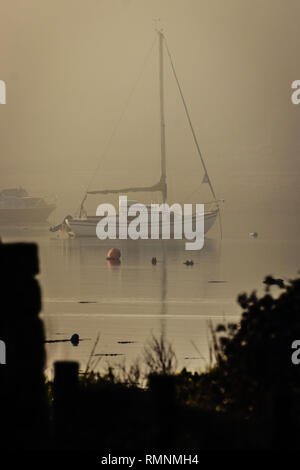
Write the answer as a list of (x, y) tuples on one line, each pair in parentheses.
[(130, 301)]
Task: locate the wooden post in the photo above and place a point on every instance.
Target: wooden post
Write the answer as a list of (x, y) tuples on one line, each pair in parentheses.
[(162, 390), (65, 394), (23, 400)]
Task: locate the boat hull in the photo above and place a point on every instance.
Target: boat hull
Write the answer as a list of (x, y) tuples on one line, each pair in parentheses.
[(24, 215), (86, 227)]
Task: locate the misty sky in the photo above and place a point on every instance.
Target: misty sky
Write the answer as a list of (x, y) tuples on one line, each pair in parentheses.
[(69, 66)]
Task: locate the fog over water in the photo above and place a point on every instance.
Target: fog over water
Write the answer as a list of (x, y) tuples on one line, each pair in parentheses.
[(70, 68)]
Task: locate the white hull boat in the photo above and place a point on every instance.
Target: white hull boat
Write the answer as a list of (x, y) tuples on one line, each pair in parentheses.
[(17, 207), (85, 226)]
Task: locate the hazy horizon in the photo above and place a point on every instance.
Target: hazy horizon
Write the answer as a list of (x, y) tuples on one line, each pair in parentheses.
[(69, 67)]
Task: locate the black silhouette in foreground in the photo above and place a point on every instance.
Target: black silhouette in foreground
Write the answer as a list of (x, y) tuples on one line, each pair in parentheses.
[(270, 281), (247, 398)]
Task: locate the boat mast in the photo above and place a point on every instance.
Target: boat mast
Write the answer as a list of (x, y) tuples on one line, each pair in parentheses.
[(162, 184), (162, 116)]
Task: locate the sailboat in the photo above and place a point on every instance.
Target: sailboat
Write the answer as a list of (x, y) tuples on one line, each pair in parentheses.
[(85, 225)]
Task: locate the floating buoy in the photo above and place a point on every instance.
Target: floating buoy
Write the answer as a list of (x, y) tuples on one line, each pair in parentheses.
[(75, 339), (114, 254)]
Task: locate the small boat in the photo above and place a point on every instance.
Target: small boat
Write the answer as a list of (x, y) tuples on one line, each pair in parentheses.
[(17, 207), (85, 225)]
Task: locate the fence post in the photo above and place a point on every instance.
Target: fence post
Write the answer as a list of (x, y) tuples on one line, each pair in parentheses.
[(23, 400), (163, 394), (65, 402)]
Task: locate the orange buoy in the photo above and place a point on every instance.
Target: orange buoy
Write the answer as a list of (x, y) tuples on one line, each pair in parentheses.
[(114, 254)]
